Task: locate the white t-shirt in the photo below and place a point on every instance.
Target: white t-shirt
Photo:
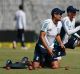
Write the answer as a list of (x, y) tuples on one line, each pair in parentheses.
[(51, 31), (20, 18), (69, 27)]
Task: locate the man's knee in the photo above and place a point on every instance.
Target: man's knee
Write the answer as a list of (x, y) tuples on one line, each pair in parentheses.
[(36, 65), (55, 65)]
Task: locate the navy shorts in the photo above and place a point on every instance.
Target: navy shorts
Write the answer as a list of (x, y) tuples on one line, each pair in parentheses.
[(72, 42), (41, 55)]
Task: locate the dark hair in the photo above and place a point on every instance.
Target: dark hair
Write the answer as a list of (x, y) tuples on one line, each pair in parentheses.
[(72, 9), (21, 7)]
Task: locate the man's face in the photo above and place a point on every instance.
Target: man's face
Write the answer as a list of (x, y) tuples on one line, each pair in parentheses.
[(72, 14), (58, 16)]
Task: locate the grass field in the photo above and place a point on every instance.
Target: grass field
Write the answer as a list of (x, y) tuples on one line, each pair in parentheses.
[(72, 59)]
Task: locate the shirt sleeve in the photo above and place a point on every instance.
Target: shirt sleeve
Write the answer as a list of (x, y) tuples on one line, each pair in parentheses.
[(67, 28), (44, 27), (59, 27)]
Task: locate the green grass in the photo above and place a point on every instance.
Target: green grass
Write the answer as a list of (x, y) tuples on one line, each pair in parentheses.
[(72, 59)]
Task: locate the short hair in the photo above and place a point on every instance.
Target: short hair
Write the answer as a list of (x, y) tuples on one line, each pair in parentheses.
[(21, 7)]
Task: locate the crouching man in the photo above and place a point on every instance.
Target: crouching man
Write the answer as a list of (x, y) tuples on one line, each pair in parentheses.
[(45, 53), (69, 35)]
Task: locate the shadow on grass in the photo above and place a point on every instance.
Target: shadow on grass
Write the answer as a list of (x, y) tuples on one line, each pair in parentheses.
[(66, 68), (69, 67)]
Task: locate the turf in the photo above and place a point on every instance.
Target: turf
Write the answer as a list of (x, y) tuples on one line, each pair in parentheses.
[(72, 59)]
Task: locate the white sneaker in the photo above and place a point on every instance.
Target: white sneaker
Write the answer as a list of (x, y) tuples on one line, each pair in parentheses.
[(25, 48)]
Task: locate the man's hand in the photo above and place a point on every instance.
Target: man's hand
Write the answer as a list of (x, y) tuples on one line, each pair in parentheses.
[(63, 47), (50, 51)]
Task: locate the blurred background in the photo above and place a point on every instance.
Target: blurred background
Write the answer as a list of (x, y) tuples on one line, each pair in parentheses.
[(36, 12)]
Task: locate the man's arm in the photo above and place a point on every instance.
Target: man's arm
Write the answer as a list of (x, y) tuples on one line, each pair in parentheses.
[(66, 28), (42, 37), (77, 35), (58, 38), (24, 21)]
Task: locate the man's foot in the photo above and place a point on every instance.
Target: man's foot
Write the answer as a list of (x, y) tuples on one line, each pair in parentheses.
[(78, 43), (14, 44)]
